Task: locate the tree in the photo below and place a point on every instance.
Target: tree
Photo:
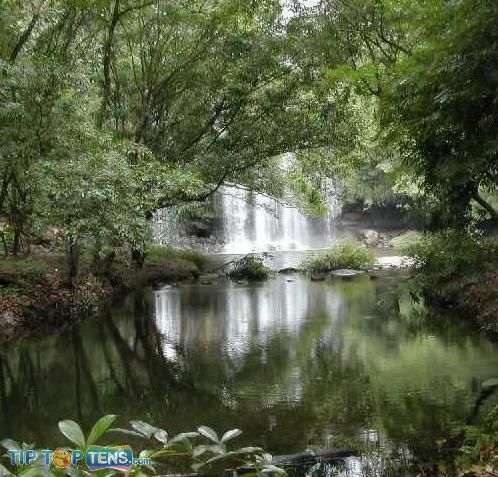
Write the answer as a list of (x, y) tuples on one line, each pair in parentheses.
[(442, 102)]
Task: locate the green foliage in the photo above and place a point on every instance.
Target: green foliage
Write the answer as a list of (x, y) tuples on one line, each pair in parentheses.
[(453, 252), (250, 267), (205, 452), (439, 105), (160, 254), (73, 432), (480, 447), (346, 255), (110, 112), (22, 272), (442, 256)]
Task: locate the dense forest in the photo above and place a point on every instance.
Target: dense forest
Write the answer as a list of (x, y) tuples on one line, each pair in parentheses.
[(113, 110)]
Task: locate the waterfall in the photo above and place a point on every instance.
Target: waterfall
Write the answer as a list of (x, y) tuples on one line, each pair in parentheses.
[(252, 222)]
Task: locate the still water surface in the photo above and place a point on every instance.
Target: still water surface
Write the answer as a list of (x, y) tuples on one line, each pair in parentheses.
[(293, 363)]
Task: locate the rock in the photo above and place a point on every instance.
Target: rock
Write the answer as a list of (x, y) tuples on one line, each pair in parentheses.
[(346, 273), (370, 237), (395, 262), (290, 280), (208, 276), (288, 270), (490, 383)]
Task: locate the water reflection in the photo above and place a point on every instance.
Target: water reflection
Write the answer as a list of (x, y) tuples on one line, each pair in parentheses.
[(292, 363)]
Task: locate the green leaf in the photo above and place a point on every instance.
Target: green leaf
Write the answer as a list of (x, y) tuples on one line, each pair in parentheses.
[(10, 444), (4, 472), (36, 471), (182, 436), (144, 428), (73, 432), (128, 432), (161, 436), (199, 450), (100, 428), (165, 453), (249, 450), (232, 434), (273, 470), (208, 433)]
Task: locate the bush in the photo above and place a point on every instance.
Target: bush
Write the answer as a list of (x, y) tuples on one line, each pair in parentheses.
[(249, 267), (160, 254), (202, 452), (346, 255), (451, 253), (458, 269)]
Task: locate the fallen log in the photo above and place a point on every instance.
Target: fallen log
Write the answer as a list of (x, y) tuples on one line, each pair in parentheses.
[(292, 460), (312, 457)]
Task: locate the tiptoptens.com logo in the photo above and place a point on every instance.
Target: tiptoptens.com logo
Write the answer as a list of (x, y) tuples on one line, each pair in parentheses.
[(95, 457)]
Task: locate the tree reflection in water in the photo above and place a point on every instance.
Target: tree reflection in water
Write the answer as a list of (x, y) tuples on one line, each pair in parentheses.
[(293, 364)]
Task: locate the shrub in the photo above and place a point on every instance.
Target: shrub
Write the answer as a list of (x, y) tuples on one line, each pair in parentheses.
[(250, 267), (346, 255), (451, 253), (160, 254), (203, 451), (457, 268)]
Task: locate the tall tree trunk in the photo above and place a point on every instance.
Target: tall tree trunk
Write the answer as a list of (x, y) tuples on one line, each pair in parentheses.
[(106, 65), (16, 244), (73, 262)]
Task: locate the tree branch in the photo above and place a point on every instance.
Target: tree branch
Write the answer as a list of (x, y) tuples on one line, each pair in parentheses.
[(485, 205), (25, 35)]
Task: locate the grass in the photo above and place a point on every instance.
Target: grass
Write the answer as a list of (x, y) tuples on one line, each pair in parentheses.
[(22, 271), (346, 255)]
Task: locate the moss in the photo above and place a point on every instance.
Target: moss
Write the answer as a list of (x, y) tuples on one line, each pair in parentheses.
[(346, 255)]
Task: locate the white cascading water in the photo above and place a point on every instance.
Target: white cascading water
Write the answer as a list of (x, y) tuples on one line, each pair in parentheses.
[(254, 222)]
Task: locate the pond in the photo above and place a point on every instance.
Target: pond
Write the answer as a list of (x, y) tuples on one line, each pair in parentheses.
[(295, 364)]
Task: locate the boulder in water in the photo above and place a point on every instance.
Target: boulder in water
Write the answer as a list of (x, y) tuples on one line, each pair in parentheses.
[(346, 273), (208, 278), (288, 270)]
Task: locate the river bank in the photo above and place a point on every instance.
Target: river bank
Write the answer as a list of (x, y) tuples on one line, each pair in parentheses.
[(34, 290), (473, 296)]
